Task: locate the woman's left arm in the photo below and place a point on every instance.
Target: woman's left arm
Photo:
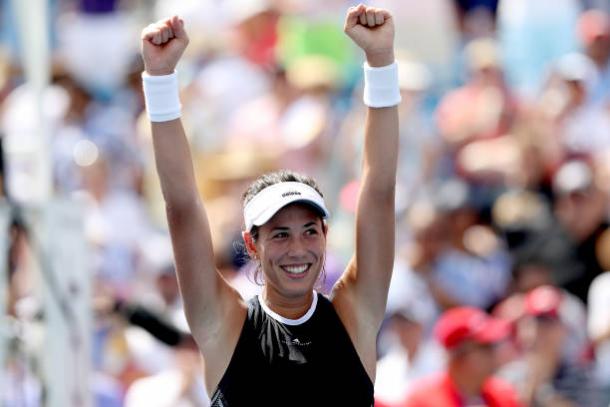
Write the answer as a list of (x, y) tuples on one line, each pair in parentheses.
[(360, 295)]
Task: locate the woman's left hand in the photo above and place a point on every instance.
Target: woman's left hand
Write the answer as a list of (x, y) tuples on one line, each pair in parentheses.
[(372, 29)]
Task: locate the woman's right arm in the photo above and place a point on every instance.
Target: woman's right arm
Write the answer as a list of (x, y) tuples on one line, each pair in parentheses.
[(213, 309)]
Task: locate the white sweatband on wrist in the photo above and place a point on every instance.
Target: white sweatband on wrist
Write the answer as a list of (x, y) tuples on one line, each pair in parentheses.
[(381, 85), (161, 97)]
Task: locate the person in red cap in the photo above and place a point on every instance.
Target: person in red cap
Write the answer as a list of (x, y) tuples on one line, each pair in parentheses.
[(551, 369), (470, 337)]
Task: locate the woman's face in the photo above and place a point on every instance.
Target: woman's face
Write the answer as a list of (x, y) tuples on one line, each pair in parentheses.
[(291, 247)]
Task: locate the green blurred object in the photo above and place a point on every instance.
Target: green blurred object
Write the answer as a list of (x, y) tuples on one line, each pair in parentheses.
[(300, 38)]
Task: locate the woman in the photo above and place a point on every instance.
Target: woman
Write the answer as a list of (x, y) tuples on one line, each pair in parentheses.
[(290, 346)]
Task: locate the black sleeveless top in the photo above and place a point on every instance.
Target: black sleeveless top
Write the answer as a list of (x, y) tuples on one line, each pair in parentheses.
[(281, 364)]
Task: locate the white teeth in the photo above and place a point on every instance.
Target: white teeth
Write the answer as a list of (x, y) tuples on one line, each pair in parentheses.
[(296, 269)]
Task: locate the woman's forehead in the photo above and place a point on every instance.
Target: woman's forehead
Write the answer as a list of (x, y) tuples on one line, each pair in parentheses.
[(296, 213)]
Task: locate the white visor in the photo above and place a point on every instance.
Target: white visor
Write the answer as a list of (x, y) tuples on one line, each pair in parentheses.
[(267, 202)]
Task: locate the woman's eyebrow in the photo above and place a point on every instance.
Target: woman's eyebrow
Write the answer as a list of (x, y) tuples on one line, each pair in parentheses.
[(280, 228)]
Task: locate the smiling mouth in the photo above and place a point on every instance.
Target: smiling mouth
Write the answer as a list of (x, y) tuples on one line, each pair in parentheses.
[(296, 270)]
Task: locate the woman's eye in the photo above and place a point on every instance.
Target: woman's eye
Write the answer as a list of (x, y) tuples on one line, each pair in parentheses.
[(281, 235), (311, 232)]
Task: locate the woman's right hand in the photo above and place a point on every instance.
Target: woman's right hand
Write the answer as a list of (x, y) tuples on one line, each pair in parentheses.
[(163, 43)]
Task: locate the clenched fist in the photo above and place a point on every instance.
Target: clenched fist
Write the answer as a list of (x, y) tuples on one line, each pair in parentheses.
[(162, 45), (372, 29)]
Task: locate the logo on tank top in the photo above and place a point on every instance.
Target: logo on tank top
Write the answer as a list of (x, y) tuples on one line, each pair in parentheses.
[(296, 342)]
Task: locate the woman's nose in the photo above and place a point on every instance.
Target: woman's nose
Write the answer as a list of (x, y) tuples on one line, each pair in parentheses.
[(297, 246)]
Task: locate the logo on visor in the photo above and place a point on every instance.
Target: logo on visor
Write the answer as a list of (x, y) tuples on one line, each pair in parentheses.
[(290, 193)]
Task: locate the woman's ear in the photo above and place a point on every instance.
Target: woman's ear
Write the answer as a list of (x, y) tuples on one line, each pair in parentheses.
[(249, 242)]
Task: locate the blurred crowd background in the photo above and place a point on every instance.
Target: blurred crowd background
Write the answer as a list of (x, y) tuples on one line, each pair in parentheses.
[(502, 190)]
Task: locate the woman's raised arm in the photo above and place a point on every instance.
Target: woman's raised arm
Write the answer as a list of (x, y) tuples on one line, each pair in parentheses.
[(208, 299), (361, 293)]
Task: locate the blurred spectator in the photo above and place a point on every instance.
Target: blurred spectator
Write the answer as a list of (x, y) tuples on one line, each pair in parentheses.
[(599, 331), (139, 329), (530, 273), (209, 20), (164, 298), (528, 32), (474, 267), (216, 96), (292, 120), (178, 382), (475, 118), (21, 137), (594, 33), (582, 210), (413, 281), (256, 23), (98, 33), (518, 214), (411, 355), (597, 4), (180, 386), (477, 17), (567, 246), (69, 143), (543, 373), (115, 223), (470, 337), (483, 108), (105, 388), (582, 127), (421, 148)]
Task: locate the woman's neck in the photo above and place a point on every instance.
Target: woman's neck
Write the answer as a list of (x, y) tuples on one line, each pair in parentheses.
[(287, 307)]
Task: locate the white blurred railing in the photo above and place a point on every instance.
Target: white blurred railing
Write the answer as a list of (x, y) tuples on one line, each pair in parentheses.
[(58, 337)]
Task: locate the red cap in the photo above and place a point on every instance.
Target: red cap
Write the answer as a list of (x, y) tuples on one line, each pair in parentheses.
[(543, 301), (510, 309), (593, 24), (468, 323)]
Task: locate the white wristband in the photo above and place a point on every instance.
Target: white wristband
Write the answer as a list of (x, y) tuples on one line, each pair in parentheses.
[(381, 86), (161, 97)]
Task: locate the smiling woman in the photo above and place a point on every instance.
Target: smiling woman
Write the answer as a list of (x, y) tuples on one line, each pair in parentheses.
[(290, 251), (290, 345), (274, 200)]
